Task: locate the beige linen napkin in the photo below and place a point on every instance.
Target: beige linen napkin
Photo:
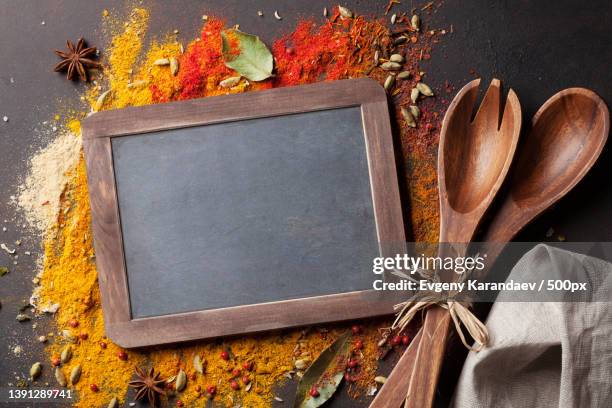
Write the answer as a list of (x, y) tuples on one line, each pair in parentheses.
[(546, 354)]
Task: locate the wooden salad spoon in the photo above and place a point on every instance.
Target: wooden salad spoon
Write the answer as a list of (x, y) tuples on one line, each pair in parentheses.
[(568, 134), (473, 159)]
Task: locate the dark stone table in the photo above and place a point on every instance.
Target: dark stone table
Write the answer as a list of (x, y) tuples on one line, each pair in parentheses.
[(536, 47)]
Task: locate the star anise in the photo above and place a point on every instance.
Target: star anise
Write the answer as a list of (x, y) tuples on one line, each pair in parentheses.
[(148, 385), (76, 60)]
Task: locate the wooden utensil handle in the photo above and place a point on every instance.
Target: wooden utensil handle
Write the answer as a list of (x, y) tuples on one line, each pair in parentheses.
[(430, 355), (393, 393)]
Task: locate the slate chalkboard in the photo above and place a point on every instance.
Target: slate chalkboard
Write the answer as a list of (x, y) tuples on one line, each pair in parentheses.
[(245, 212), (242, 213)]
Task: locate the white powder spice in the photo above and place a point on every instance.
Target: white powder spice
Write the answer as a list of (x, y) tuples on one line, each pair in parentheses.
[(39, 196)]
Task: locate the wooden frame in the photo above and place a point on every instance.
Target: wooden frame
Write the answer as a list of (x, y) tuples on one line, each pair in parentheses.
[(98, 130)]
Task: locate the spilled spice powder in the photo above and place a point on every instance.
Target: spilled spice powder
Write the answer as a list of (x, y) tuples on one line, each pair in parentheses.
[(69, 278), (124, 51), (39, 195), (202, 67), (336, 49)]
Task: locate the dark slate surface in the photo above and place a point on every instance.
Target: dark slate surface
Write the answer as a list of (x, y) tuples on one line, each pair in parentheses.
[(537, 47), (246, 212)]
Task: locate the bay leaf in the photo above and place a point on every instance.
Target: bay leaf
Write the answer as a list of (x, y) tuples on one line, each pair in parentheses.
[(318, 374), (253, 60), (325, 392)]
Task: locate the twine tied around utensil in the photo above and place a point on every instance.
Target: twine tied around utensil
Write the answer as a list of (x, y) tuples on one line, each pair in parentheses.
[(459, 311)]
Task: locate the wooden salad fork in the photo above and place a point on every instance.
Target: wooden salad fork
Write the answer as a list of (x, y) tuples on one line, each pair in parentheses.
[(567, 136), (473, 159)]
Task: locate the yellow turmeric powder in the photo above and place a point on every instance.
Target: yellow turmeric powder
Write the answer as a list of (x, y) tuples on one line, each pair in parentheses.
[(69, 278)]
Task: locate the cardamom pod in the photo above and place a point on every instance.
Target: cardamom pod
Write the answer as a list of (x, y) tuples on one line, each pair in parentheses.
[(60, 377), (404, 75), (389, 82), (390, 66), (376, 57), (416, 112), (400, 40), (344, 12), (393, 18), (137, 84), (174, 66), (230, 82), (424, 89), (181, 381), (66, 354), (198, 365), (100, 101), (380, 379), (67, 334), (75, 374), (114, 403), (415, 22), (414, 94), (301, 364), (35, 370), (396, 58), (161, 62), (408, 117)]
